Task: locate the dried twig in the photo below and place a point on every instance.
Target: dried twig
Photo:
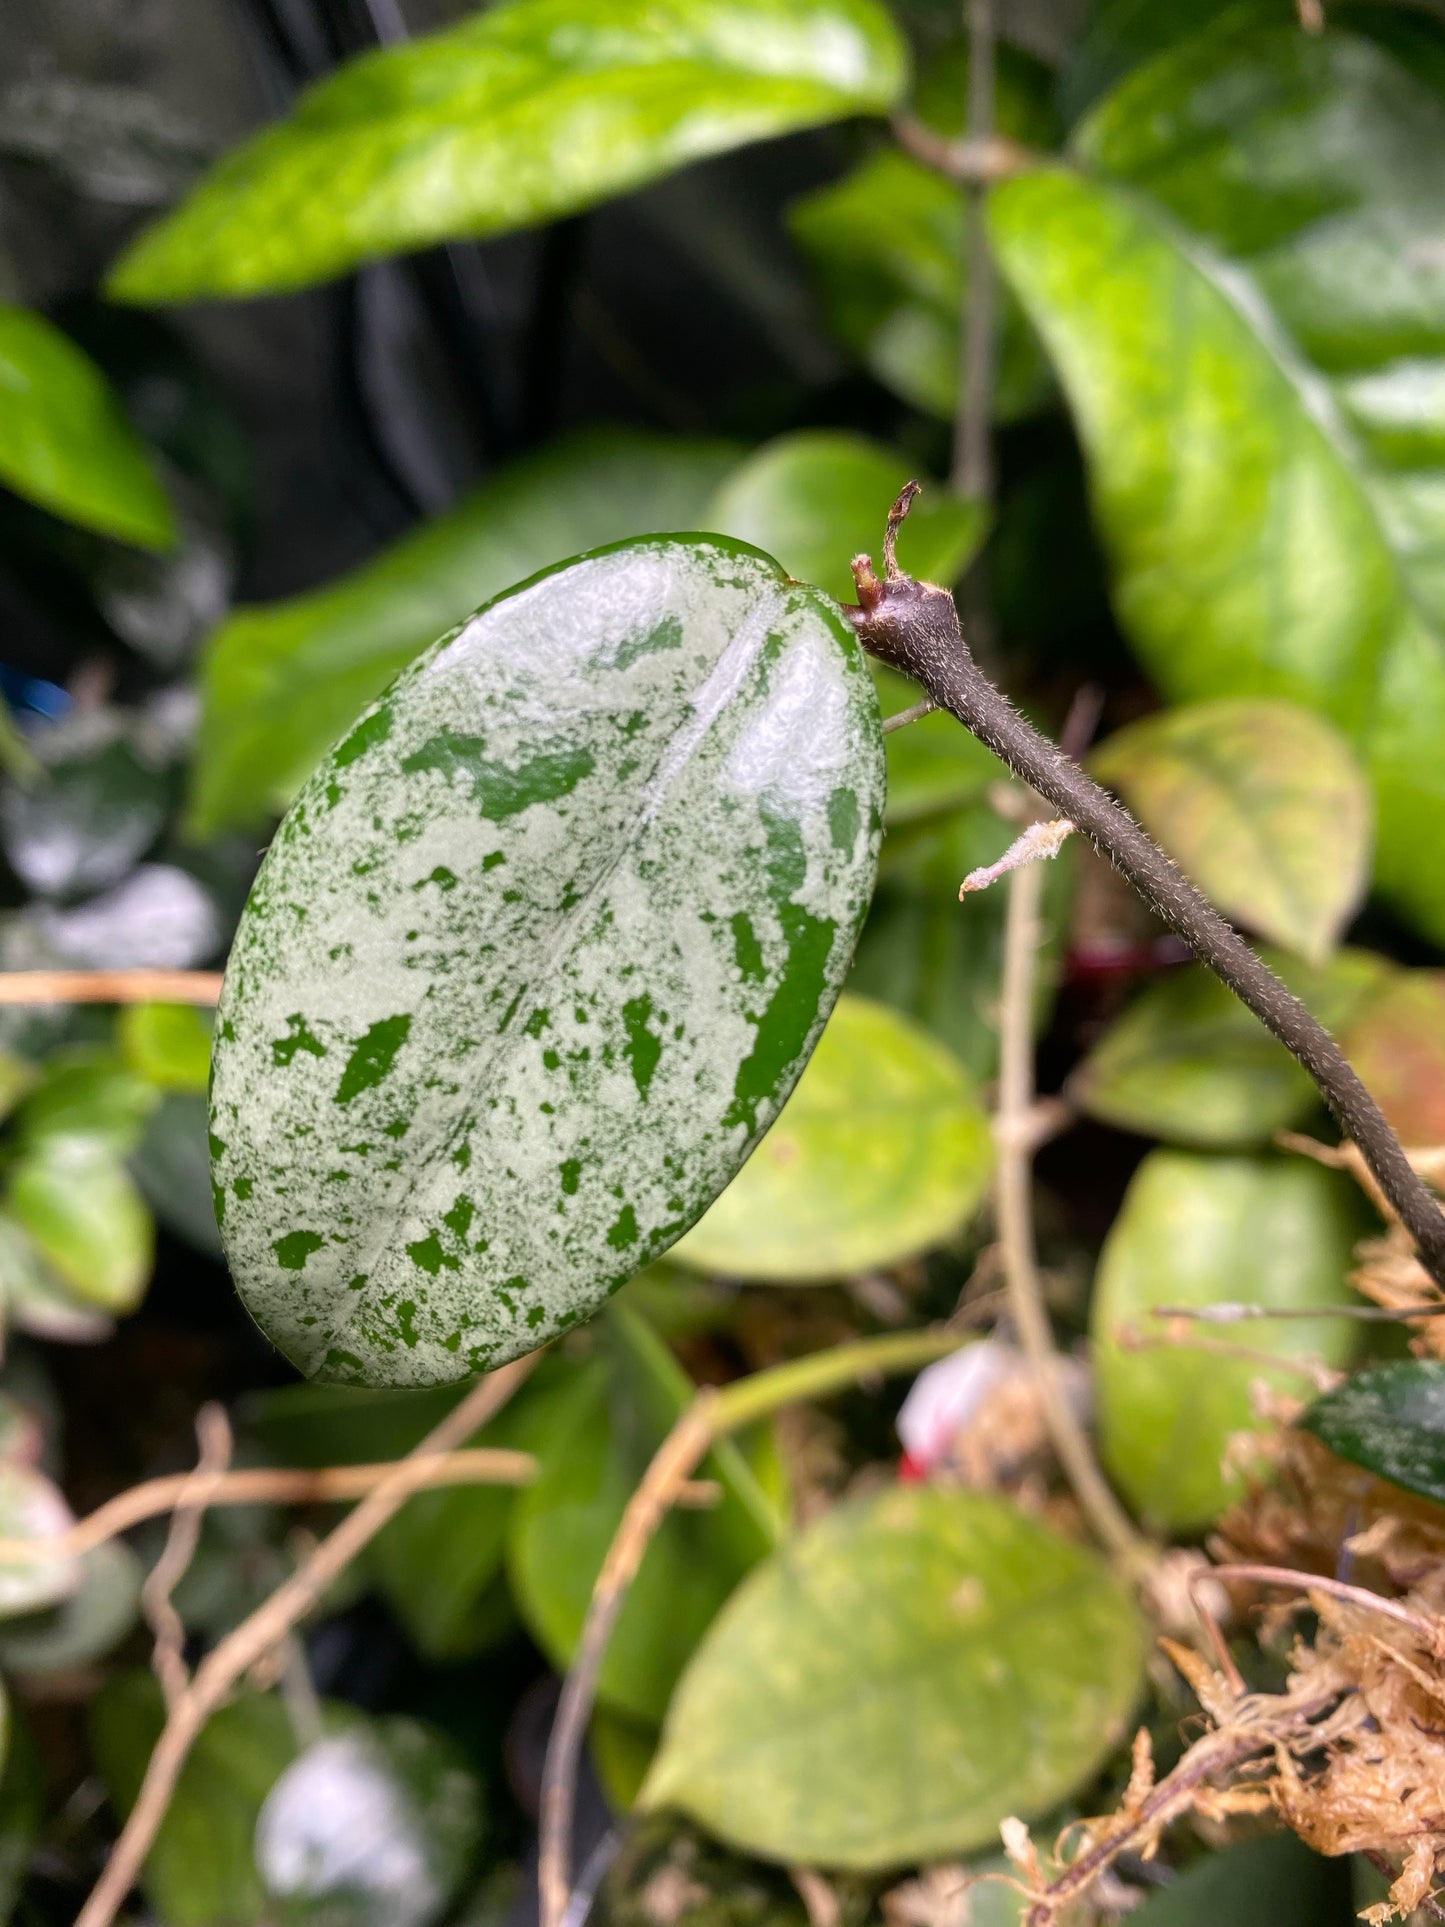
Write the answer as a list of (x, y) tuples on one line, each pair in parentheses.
[(915, 713), (269, 1624), (213, 1436), (110, 986)]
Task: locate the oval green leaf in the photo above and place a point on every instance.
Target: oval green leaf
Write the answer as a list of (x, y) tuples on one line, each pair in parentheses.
[(1188, 1062), (882, 1152), (77, 1204), (64, 441), (537, 956), (281, 682), (1265, 806), (1391, 1420), (530, 110), (1198, 1231), (921, 1663), (1250, 328)]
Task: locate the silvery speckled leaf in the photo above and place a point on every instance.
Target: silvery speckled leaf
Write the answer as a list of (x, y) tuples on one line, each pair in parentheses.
[(537, 956)]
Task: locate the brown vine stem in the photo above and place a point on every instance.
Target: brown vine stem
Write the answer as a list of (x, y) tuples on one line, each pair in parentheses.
[(713, 1415), (268, 1485), (265, 1628), (110, 986), (1013, 1194), (213, 1438), (914, 627)]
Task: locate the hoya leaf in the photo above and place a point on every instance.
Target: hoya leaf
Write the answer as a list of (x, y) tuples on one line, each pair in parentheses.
[(1391, 1420), (374, 1826), (1196, 1231), (79, 1207), (172, 1166), (537, 956), (1273, 1882), (919, 1664), (597, 1448), (1262, 803), (882, 1152), (84, 1627), (97, 805), (1188, 1062), (281, 682), (64, 441), (169, 1045), (1396, 1042), (885, 245), (1249, 325), (86, 1093), (525, 112), (812, 499)]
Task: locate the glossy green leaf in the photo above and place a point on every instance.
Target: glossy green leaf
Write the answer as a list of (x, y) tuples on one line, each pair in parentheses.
[(1396, 1041), (1188, 1062), (934, 764), (64, 441), (537, 956), (882, 1152), (376, 1826), (1391, 1420), (77, 1203), (1263, 804), (169, 1045), (921, 1663), (885, 248), (527, 111), (1250, 327), (280, 683), (1273, 1882), (1198, 1230), (35, 1298), (86, 1093), (201, 1872), (593, 1455), (814, 499)]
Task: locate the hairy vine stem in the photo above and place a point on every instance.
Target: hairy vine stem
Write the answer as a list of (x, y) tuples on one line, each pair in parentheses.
[(914, 627)]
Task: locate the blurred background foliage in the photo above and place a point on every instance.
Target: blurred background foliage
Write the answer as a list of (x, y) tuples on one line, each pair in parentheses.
[(279, 408)]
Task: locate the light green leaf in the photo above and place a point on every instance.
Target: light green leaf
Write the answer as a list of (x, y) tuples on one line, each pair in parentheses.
[(281, 683), (201, 1872), (76, 1202), (921, 1663), (1263, 804), (593, 1455), (169, 1045), (1199, 1231), (885, 247), (1396, 1041), (882, 1152), (83, 1092), (1250, 327), (814, 499), (64, 441), (1188, 1062), (34, 1297), (375, 1826), (527, 111), (537, 956)]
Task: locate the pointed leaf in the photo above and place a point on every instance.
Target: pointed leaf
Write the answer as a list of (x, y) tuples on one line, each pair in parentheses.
[(64, 441), (921, 1663), (1391, 1420), (1250, 330), (517, 115), (1199, 1231), (882, 1152), (538, 955), (280, 683)]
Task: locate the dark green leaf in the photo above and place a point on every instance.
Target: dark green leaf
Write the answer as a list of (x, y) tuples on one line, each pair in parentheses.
[(885, 247), (816, 498), (593, 1454), (172, 1166), (1391, 1420), (376, 1826), (1250, 346), (882, 1152), (281, 683), (1200, 1231), (1275, 1882), (921, 1663), (1263, 804), (64, 442), (515, 116), (1186, 1061), (538, 955), (201, 1871)]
